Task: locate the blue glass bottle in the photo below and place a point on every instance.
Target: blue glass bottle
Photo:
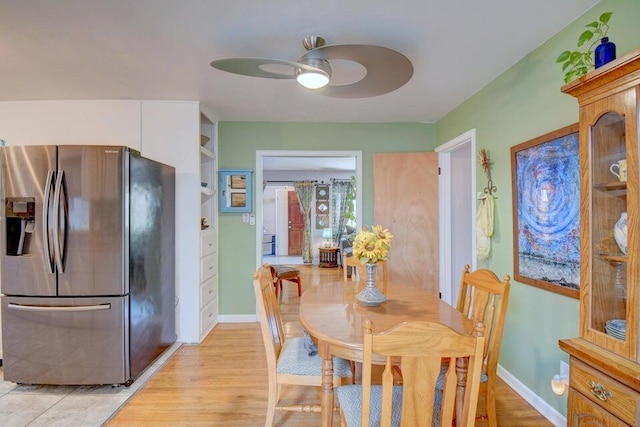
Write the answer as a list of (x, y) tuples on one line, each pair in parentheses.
[(605, 52)]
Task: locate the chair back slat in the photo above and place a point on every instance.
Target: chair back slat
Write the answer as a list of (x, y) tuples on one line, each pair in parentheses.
[(268, 311), (387, 392), (421, 348)]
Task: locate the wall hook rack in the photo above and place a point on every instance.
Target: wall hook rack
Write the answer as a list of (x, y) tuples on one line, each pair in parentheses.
[(485, 162), (490, 189)]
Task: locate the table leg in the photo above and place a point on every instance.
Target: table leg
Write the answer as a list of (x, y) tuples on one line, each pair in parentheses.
[(326, 398)]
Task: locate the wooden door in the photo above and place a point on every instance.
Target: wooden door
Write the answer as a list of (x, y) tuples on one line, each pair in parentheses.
[(296, 224), (406, 202)]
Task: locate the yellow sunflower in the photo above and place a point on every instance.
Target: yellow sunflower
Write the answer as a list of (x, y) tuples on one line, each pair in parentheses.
[(372, 246)]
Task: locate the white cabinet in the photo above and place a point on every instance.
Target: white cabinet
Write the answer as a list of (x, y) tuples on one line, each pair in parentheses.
[(208, 281)]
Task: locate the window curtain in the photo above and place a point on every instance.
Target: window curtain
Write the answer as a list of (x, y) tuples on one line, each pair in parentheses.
[(339, 191), (304, 191)]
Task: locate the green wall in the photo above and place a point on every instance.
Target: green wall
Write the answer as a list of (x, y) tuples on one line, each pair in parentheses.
[(238, 142), (521, 104)]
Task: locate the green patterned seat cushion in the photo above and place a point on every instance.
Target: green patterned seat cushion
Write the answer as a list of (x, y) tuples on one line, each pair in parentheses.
[(294, 359), (350, 398)]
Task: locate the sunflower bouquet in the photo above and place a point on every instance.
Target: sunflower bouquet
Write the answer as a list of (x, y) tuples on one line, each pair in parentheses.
[(371, 246)]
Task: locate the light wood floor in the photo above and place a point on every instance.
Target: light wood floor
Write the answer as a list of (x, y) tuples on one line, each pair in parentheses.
[(223, 381)]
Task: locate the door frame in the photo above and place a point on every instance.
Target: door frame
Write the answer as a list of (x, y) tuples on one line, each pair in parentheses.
[(448, 278), (259, 189)]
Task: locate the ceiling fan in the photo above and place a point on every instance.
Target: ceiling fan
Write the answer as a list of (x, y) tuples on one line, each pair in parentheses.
[(386, 69)]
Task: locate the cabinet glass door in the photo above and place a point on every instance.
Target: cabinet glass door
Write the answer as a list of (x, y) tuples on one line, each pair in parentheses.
[(609, 269)]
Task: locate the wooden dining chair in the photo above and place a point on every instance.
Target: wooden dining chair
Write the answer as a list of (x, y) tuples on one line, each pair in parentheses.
[(350, 264), (421, 348), (288, 360), (483, 298), (282, 273), (359, 272)]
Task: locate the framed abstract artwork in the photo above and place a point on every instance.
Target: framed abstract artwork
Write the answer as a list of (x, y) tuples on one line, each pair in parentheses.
[(545, 176)]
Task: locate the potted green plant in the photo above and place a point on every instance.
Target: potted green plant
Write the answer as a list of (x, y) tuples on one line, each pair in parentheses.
[(576, 63), (350, 213)]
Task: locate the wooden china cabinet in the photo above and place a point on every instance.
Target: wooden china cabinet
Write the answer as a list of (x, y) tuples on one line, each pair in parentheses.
[(604, 387)]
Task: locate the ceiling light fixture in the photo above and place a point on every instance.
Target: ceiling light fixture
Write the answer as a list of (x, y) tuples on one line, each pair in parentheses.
[(315, 78), (385, 69)]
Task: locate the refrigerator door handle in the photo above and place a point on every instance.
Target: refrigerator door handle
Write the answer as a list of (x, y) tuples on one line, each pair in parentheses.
[(58, 248), (46, 246), (65, 308)]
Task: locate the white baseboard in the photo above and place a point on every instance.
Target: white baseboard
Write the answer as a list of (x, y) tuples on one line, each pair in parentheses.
[(548, 411), (237, 318)]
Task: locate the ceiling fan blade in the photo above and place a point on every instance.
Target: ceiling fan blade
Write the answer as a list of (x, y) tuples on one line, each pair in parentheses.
[(387, 69), (251, 67)]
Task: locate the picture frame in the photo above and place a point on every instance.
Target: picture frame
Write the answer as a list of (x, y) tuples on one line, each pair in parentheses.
[(238, 200), (545, 176), (322, 192), (235, 190), (322, 221), (238, 182), (322, 207)]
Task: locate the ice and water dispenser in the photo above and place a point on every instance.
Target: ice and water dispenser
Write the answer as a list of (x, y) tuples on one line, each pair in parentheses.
[(21, 224)]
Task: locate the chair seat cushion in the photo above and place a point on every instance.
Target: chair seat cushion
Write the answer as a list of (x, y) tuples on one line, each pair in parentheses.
[(350, 398), (285, 271), (295, 360)]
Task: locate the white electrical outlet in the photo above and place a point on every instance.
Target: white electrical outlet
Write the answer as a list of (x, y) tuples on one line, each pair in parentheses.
[(564, 370)]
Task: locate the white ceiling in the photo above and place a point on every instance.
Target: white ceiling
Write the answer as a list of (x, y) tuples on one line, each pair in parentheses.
[(161, 49)]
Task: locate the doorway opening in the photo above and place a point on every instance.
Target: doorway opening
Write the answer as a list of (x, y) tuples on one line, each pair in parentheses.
[(457, 187), (276, 171)]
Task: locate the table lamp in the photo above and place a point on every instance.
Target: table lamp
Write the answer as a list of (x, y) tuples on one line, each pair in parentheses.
[(327, 235)]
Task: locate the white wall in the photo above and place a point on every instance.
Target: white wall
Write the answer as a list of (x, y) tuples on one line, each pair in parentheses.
[(110, 122)]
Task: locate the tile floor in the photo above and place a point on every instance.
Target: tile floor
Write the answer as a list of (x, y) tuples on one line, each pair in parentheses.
[(68, 406)]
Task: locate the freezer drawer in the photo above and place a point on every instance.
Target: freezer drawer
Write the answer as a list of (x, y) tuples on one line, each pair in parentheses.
[(65, 340)]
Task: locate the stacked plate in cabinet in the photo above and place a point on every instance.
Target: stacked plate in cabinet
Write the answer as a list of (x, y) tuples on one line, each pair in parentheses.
[(617, 328)]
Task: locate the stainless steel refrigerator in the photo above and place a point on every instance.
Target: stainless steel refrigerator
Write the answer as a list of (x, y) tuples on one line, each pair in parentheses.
[(88, 261)]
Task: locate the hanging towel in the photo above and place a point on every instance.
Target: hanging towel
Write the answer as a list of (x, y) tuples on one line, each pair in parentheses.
[(484, 227)]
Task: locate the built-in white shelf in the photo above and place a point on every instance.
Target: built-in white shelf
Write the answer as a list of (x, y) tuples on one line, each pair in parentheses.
[(207, 153), (206, 191)]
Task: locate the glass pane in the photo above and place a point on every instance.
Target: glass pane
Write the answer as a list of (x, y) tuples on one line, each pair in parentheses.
[(608, 226)]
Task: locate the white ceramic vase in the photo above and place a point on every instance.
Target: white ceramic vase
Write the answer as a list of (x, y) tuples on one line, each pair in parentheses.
[(620, 232)]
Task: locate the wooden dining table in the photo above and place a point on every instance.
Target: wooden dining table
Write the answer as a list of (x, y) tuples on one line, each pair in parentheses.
[(333, 316)]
